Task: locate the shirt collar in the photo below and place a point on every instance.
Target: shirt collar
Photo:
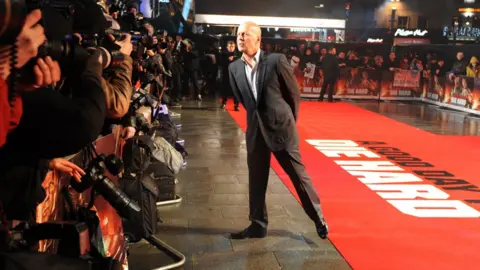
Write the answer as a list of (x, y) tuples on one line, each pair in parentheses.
[(255, 58)]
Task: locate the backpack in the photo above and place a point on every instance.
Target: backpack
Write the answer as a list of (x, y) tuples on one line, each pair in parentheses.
[(140, 187), (165, 180), (166, 130), (137, 153)]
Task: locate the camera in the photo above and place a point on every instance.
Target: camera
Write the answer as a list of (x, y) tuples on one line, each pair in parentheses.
[(95, 178), (143, 98)]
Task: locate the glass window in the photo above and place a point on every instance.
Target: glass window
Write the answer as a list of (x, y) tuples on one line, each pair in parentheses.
[(402, 22)]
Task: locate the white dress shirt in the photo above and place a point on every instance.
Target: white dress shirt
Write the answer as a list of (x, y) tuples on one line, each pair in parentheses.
[(251, 73)]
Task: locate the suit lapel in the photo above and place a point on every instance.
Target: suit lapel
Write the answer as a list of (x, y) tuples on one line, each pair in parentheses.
[(245, 89), (262, 69)]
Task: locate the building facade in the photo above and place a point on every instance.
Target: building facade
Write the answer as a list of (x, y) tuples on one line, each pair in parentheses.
[(415, 14)]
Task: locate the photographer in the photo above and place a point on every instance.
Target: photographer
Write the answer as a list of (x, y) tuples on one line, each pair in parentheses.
[(28, 41), (53, 125), (190, 67)]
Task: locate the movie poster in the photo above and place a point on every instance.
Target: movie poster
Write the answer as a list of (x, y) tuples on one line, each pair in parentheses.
[(358, 83), (434, 88), (401, 84), (459, 91)]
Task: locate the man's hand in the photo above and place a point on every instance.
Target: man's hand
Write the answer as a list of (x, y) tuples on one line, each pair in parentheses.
[(126, 46), (31, 37), (46, 72), (128, 133), (67, 167)]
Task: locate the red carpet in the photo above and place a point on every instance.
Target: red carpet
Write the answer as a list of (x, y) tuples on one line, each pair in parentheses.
[(368, 230)]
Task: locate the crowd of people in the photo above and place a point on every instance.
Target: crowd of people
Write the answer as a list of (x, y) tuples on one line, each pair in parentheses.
[(97, 74)]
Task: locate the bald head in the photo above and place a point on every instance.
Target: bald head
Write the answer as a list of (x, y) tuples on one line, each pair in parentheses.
[(249, 36)]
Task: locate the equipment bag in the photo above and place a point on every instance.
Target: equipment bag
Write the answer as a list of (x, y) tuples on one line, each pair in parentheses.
[(137, 152), (164, 178), (141, 188), (166, 130)]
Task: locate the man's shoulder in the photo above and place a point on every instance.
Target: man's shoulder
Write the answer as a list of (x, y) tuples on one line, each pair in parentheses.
[(235, 64), (275, 56)]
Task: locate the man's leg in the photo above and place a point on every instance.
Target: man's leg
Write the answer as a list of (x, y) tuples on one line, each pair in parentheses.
[(258, 172), (224, 92), (322, 91), (331, 89), (291, 162)]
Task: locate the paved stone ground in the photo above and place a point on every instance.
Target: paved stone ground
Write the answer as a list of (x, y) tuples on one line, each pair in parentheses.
[(214, 187)]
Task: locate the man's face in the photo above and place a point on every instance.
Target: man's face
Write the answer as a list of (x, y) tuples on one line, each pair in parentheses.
[(133, 11), (231, 47), (341, 55), (324, 52), (333, 51), (392, 56), (316, 48), (247, 40), (460, 56)]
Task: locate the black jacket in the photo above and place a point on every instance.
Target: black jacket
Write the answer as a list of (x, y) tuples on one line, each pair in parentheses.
[(331, 70), (275, 111), (52, 126)]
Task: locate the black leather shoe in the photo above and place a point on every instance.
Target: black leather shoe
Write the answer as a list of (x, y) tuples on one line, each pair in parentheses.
[(237, 109), (322, 229), (253, 231)]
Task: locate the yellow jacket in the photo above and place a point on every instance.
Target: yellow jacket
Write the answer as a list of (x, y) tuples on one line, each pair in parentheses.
[(471, 71)]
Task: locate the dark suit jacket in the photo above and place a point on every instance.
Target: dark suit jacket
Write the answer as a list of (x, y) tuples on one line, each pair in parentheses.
[(275, 111), (331, 70)]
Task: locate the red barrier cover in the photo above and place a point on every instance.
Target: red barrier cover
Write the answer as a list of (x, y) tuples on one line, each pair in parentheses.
[(51, 209)]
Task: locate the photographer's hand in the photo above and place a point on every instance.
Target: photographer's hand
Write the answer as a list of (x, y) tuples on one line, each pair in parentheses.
[(128, 132), (126, 46), (67, 167), (47, 72)]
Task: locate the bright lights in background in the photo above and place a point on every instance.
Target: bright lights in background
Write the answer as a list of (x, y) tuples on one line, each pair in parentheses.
[(146, 9), (185, 12), (469, 1), (288, 22)]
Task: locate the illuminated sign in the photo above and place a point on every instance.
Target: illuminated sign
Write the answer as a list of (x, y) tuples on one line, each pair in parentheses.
[(462, 33), (409, 33), (469, 10), (285, 22), (164, 1), (375, 40), (304, 30)]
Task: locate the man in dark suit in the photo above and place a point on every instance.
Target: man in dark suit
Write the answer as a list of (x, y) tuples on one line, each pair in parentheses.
[(267, 88), (331, 71)]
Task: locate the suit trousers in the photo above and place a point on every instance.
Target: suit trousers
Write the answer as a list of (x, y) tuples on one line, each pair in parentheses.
[(259, 167), (329, 86)]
